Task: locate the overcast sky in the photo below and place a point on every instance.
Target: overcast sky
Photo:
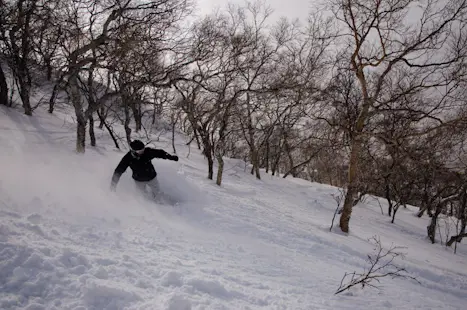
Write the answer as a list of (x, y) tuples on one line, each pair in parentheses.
[(288, 8)]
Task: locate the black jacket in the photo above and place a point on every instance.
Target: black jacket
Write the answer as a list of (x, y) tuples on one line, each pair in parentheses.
[(142, 168)]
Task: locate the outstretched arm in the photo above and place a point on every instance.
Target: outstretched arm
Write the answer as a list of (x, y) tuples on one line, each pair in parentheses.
[(159, 153), (121, 168)]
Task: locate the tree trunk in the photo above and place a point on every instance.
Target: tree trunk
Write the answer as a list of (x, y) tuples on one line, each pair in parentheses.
[(267, 156), (102, 117), (12, 93), (174, 120), (208, 152), (80, 119), (52, 98), (22, 53), (3, 88), (210, 165), (24, 93), (275, 165), (255, 158), (136, 109), (92, 136), (431, 229), (54, 95), (48, 64), (292, 169), (251, 142), (388, 196), (127, 123), (80, 133), (425, 199), (220, 169), (198, 142), (220, 148), (255, 161), (396, 207), (173, 136), (356, 143), (352, 186)]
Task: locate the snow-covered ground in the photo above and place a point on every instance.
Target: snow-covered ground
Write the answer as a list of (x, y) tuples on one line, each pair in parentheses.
[(67, 242)]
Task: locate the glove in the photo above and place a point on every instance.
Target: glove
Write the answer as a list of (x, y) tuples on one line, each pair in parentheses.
[(175, 157)]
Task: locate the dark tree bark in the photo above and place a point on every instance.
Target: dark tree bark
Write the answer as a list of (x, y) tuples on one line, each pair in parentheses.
[(174, 119), (127, 122), (92, 135), (388, 196), (431, 229), (102, 117), (220, 168), (395, 208), (136, 109), (3, 88), (209, 157), (111, 133)]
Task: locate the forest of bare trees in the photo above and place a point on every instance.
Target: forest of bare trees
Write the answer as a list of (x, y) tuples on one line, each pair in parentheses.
[(367, 95)]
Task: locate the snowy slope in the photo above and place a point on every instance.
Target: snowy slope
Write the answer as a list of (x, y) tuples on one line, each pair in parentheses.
[(66, 242)]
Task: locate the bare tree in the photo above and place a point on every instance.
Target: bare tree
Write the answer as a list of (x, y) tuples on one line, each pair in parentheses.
[(16, 33), (397, 47), (259, 60), (47, 35), (105, 24)]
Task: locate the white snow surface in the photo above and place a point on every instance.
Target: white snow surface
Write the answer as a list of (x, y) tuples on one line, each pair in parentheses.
[(67, 242)]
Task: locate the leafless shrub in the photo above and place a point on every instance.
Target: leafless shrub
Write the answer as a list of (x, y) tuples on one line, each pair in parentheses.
[(381, 264)]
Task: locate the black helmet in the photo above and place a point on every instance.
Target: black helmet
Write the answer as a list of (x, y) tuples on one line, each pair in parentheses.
[(137, 147)]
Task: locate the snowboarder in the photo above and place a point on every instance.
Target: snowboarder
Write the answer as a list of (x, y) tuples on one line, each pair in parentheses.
[(139, 160)]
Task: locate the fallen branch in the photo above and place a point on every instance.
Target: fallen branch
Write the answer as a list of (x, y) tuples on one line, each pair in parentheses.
[(381, 265)]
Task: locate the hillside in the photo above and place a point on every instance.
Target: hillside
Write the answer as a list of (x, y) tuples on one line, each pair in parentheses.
[(67, 242)]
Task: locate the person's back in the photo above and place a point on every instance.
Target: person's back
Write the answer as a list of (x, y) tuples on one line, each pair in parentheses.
[(139, 160)]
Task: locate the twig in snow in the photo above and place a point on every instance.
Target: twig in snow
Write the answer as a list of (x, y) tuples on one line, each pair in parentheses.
[(381, 265)]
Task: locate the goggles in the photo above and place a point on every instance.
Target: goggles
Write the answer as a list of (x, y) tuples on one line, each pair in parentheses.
[(137, 152)]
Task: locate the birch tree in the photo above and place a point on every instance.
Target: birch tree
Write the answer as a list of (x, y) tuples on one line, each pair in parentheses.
[(381, 41)]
